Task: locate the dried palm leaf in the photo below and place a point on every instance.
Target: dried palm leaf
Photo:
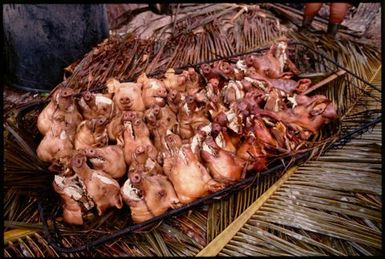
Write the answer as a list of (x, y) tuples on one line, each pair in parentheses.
[(125, 58)]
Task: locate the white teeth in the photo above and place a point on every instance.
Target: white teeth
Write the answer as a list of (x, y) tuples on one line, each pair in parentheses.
[(130, 191), (100, 99), (104, 179), (254, 81), (206, 128), (70, 188), (231, 117), (248, 121), (128, 126), (220, 140), (268, 122), (241, 65), (63, 135), (71, 108), (195, 143), (154, 84), (159, 99), (292, 100), (182, 155), (238, 93), (207, 148), (185, 108), (96, 160), (150, 164), (276, 106)]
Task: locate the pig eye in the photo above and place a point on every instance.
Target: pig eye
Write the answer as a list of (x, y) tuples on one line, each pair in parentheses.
[(78, 162), (60, 119), (156, 110), (101, 121)]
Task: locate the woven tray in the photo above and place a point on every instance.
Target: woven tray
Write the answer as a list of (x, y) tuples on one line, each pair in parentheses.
[(338, 133)]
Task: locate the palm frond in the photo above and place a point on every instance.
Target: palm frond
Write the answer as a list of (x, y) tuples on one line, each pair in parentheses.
[(227, 29)]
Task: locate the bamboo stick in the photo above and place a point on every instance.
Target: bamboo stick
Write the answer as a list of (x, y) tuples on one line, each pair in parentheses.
[(215, 246), (328, 79)]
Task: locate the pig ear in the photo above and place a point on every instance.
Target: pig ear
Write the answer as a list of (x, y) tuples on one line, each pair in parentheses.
[(112, 85), (118, 201), (140, 85), (142, 79), (272, 49)]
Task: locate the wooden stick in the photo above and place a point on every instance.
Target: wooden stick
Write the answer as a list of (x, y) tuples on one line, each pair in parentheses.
[(330, 78)]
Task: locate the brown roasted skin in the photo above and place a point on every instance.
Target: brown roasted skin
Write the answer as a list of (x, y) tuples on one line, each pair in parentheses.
[(154, 91), (178, 138), (72, 211), (145, 159), (271, 64), (174, 100), (262, 133), (109, 159), (300, 118), (192, 81), (128, 97), (222, 138), (210, 72), (229, 72), (290, 86), (267, 65), (94, 105), (232, 92), (61, 104), (188, 176), (115, 129), (159, 120), (174, 81), (158, 192), (223, 165), (70, 121), (56, 144), (197, 140), (101, 187), (134, 199), (44, 120), (216, 107), (190, 117), (318, 105), (251, 152), (275, 101), (91, 133), (135, 134)]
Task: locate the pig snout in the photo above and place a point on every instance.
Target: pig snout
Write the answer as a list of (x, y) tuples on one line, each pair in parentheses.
[(162, 92), (90, 152), (125, 100)]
